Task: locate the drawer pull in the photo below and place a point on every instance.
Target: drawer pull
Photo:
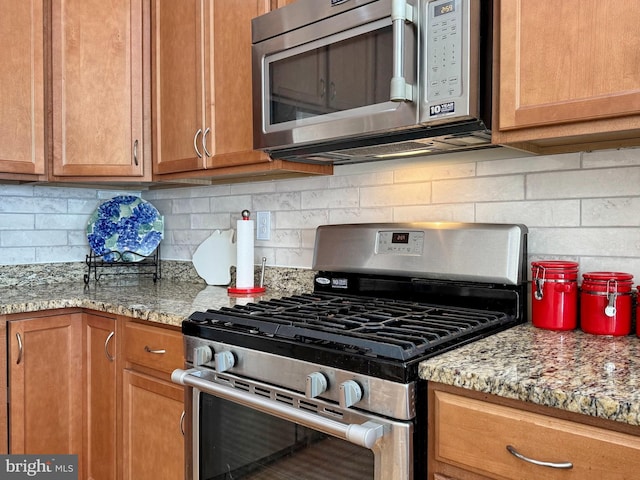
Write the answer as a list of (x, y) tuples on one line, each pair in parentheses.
[(540, 463), (157, 352)]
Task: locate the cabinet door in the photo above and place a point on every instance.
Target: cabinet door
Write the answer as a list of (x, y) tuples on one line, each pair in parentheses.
[(153, 439), (177, 83), (569, 63), (97, 60), (45, 374), (22, 85), (99, 397)]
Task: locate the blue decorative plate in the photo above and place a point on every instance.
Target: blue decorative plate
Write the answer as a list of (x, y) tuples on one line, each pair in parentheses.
[(125, 229)]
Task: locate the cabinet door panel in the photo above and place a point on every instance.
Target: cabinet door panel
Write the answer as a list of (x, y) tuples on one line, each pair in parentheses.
[(575, 60), (97, 87), (22, 86), (45, 401), (100, 398), (177, 85), (153, 441)]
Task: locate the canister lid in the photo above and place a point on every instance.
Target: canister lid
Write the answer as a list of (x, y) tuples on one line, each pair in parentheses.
[(606, 276), (605, 281), (558, 264)]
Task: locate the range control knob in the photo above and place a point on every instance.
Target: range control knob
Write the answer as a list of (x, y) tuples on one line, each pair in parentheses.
[(316, 384), (201, 355), (224, 361), (350, 393)]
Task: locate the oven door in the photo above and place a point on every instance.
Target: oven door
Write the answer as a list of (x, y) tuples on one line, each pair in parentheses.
[(321, 79), (243, 429)]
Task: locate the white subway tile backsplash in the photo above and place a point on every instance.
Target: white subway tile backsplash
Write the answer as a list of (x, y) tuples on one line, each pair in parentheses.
[(479, 189), (606, 242), (434, 172), (361, 215), (529, 164), (460, 212), (333, 198), (399, 194), (579, 206), (602, 182), (607, 212), (277, 201), (543, 213), (611, 158)]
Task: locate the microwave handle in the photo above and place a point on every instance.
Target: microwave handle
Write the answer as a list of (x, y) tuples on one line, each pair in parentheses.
[(401, 12), (364, 435)]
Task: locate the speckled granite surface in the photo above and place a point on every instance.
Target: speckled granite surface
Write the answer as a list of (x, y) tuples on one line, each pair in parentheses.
[(587, 374), (167, 302), (573, 371)]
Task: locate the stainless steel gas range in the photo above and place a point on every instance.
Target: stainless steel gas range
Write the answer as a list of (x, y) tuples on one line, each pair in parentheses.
[(325, 384)]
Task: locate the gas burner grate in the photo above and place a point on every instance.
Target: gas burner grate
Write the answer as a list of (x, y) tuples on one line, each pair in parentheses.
[(388, 328)]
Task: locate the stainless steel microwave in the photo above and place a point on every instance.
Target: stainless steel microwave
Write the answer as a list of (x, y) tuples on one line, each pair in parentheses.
[(344, 81)]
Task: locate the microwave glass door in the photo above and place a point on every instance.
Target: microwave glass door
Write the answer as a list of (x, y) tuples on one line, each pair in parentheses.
[(331, 77), (240, 442)]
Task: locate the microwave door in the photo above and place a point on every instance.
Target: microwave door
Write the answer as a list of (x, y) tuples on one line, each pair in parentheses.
[(335, 86), (451, 55)]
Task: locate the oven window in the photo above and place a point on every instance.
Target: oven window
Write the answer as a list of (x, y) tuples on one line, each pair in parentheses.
[(237, 442), (343, 75)]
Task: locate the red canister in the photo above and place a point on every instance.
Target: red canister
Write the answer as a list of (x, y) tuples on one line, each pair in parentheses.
[(554, 293), (606, 302)]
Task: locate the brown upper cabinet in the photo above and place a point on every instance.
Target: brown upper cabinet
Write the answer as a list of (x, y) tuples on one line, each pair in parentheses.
[(22, 110), (568, 75), (201, 84), (100, 124)]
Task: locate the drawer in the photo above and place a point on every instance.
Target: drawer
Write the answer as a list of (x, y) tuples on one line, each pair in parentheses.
[(153, 347), (473, 434)]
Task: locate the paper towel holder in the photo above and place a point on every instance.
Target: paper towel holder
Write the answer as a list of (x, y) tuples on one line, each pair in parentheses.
[(253, 289)]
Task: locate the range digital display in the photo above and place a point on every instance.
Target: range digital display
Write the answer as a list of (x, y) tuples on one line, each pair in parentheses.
[(444, 8), (397, 237)]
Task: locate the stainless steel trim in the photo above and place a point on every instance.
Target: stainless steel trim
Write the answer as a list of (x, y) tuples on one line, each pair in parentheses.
[(381, 397), (481, 252), (19, 338), (365, 435), (182, 422), (195, 143), (541, 463), (204, 142), (135, 152), (110, 357), (401, 12)]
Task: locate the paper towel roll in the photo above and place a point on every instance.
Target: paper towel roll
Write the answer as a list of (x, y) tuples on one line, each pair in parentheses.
[(244, 257)]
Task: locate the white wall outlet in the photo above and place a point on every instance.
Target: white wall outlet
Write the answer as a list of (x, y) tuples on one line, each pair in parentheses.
[(263, 226)]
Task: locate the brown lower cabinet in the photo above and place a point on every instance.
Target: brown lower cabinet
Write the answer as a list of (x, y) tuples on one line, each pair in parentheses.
[(469, 433), (95, 385), (152, 406)]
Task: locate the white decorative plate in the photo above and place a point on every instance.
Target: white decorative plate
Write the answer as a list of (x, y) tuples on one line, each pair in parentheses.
[(125, 229)]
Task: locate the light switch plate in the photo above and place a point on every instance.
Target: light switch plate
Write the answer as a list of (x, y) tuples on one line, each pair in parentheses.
[(263, 226)]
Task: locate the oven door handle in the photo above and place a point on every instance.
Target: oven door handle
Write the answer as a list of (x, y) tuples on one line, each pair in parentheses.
[(364, 435)]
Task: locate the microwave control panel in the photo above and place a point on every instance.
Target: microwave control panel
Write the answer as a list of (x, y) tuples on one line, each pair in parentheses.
[(445, 53)]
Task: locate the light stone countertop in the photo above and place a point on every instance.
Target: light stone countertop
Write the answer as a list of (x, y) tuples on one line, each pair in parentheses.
[(164, 302), (573, 371)]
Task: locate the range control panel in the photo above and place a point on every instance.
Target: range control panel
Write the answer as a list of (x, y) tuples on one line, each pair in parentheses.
[(400, 243)]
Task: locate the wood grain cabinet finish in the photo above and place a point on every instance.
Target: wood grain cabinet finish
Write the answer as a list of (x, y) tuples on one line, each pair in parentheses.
[(469, 438), (98, 89), (100, 397), (152, 406), (201, 84), (568, 75), (62, 377), (22, 87), (45, 378)]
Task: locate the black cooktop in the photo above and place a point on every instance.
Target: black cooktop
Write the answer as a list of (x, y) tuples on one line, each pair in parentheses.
[(378, 328)]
